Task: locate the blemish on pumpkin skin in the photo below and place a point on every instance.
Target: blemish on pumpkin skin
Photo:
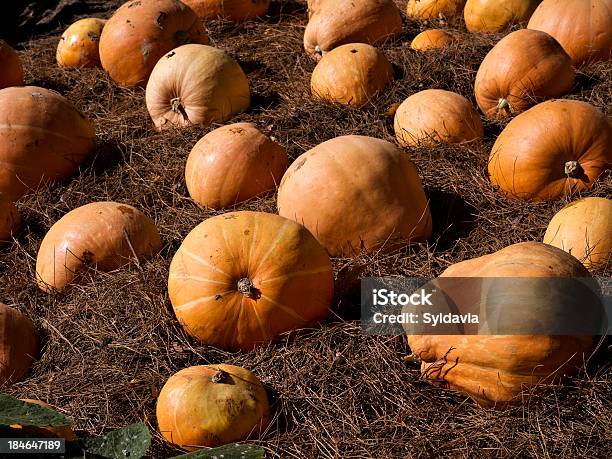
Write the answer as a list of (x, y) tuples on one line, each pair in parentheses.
[(133, 4), (229, 217), (158, 20), (125, 210), (300, 164), (93, 36), (146, 50), (247, 232)]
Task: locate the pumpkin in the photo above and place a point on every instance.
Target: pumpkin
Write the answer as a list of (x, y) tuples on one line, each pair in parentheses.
[(64, 432), (431, 39), (423, 10), (523, 68), (10, 220), (582, 27), (313, 6), (584, 229), (494, 369), (11, 70), (232, 10), (43, 138), (18, 345), (490, 16), (373, 198), (211, 405), (78, 46), (100, 235), (241, 279), (553, 150), (232, 164), (351, 74), (346, 21), (140, 32), (196, 84), (435, 115)]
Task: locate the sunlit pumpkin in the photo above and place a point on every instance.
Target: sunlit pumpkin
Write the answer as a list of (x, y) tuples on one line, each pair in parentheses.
[(11, 70), (423, 10), (490, 16), (431, 39), (18, 345), (78, 45), (64, 432), (10, 219), (232, 10)]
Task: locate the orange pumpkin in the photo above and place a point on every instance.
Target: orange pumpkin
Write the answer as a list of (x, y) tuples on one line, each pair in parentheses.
[(232, 10), (10, 220), (582, 27), (42, 138), (351, 74), (141, 32), (212, 405), (432, 39), (78, 46), (64, 432), (196, 84), (490, 16), (553, 150), (423, 10), (11, 70), (523, 68), (356, 193), (18, 345), (241, 279), (232, 164), (100, 235)]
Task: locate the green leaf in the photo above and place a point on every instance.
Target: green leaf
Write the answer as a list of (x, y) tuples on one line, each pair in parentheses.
[(14, 411), (131, 442), (232, 451)]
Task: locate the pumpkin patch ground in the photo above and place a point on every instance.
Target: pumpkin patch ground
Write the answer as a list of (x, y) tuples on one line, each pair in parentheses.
[(109, 344)]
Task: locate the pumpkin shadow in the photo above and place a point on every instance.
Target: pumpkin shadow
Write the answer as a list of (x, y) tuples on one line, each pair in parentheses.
[(453, 218), (584, 82), (106, 157), (280, 9), (54, 85)]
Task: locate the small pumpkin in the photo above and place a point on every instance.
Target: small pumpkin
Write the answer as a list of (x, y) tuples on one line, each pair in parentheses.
[(64, 432), (78, 45), (100, 235), (582, 27), (233, 163), (140, 32), (18, 345), (373, 196), (10, 219), (553, 150), (435, 115), (346, 21), (231, 10), (43, 138), (211, 405), (584, 229), (523, 68), (491, 16), (351, 74), (11, 70), (240, 279), (423, 10), (432, 39), (196, 84)]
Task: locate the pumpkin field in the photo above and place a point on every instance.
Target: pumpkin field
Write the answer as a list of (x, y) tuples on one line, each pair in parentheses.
[(191, 193)]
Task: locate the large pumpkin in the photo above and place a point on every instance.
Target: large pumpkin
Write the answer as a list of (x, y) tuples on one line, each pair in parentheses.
[(10, 219), (553, 150), (100, 235), (233, 163), (431, 39), (11, 70), (141, 32), (78, 45), (196, 84), (335, 23), (355, 194), (212, 405), (490, 16), (18, 345), (584, 229), (435, 115), (423, 10), (65, 432), (351, 74), (523, 68), (494, 369), (582, 27), (232, 10), (42, 138), (241, 279)]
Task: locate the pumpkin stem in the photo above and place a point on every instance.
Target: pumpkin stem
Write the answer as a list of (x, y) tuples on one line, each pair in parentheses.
[(220, 376), (177, 107), (503, 104), (573, 169), (246, 287)]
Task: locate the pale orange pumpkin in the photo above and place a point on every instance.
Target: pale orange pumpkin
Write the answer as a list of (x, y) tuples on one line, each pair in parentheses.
[(10, 219), (490, 16), (78, 45), (232, 164), (64, 432), (99, 235), (18, 345), (11, 70), (196, 84), (432, 39), (356, 194), (423, 10), (232, 10), (523, 68), (241, 279), (553, 150)]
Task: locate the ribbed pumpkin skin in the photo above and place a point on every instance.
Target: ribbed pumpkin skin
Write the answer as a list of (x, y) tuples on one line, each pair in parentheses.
[(65, 432), (196, 84), (431, 39), (78, 46), (490, 16), (233, 163), (351, 74), (210, 273), (424, 10), (232, 10), (582, 27), (495, 369), (212, 405), (42, 138), (584, 229), (10, 219), (101, 235), (11, 70), (18, 345), (523, 68), (356, 193), (141, 32), (338, 22), (436, 115), (529, 159)]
